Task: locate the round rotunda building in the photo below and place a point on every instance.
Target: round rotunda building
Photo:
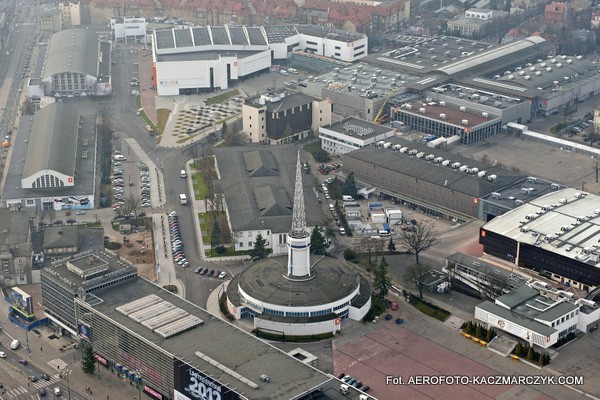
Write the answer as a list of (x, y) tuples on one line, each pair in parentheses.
[(301, 294)]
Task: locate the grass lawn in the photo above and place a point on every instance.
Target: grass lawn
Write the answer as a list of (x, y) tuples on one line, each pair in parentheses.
[(138, 102), (199, 186), (426, 309), (163, 116), (312, 147), (221, 98)]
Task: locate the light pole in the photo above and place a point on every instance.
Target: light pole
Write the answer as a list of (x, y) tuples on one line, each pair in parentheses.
[(138, 378), (68, 372)]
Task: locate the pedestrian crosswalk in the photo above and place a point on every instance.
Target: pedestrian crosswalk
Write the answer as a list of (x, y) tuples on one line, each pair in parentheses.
[(32, 388)]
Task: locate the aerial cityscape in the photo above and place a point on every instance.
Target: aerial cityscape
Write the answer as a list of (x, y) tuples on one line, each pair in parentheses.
[(303, 200)]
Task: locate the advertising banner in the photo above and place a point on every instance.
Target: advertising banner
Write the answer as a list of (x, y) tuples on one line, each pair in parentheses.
[(191, 384), (21, 301)]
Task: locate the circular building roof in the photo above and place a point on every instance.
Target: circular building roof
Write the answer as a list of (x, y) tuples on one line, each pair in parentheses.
[(266, 281)]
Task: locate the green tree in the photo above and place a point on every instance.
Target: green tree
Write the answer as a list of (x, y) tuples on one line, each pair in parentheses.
[(416, 275), (478, 334), (518, 349), (541, 360), (350, 186), (215, 237), (223, 129), (420, 239), (259, 251), (530, 353), (382, 280), (317, 242), (321, 156), (469, 327), (88, 361), (391, 246), (350, 255), (489, 335)]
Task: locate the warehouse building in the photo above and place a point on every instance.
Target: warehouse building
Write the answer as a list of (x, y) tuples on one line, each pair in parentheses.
[(557, 233), (193, 59), (129, 30), (59, 150), (445, 119), (427, 179), (77, 64)]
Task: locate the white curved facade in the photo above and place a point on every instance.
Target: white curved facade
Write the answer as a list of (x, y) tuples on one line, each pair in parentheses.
[(298, 256), (47, 179)]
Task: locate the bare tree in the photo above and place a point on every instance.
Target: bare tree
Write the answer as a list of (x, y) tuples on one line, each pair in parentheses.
[(193, 152), (131, 205), (416, 275), (105, 114), (421, 238)]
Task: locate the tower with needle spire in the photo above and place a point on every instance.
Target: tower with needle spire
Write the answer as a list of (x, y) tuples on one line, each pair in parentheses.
[(298, 239)]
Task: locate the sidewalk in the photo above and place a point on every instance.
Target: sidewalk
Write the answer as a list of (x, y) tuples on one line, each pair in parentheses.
[(46, 354)]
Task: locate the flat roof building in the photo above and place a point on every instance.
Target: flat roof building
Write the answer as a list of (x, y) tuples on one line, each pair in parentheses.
[(177, 350), (539, 314), (557, 233), (350, 134), (429, 179), (80, 275)]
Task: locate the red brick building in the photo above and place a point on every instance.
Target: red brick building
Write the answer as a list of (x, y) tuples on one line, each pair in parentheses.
[(556, 13)]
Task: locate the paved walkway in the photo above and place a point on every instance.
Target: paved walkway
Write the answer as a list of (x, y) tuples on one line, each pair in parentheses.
[(198, 206)]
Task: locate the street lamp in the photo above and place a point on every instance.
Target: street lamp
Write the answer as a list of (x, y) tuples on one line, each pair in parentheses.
[(67, 372)]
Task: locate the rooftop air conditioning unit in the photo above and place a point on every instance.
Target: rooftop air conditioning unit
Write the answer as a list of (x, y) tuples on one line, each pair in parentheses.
[(443, 103), (511, 77), (465, 122), (485, 115), (492, 177), (481, 174), (443, 116), (527, 77), (463, 108), (422, 110), (559, 65), (438, 160), (569, 61)]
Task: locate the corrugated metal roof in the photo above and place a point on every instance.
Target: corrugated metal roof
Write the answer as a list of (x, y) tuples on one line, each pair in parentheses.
[(53, 141), (72, 50)]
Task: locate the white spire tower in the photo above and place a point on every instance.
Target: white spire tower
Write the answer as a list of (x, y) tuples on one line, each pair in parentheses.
[(298, 239)]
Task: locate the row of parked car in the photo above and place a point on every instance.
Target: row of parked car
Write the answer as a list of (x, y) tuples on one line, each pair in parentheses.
[(348, 380), (176, 242), (145, 185), (210, 272), (118, 185)]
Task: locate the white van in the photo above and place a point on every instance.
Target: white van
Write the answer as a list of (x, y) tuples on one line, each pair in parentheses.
[(292, 71), (15, 344), (57, 391), (183, 198), (347, 198), (183, 174), (119, 157)]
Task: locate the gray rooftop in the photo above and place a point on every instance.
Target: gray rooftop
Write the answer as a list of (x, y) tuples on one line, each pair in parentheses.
[(288, 101), (61, 273), (248, 356), (362, 80), (565, 222), (358, 128), (206, 55), (38, 68), (240, 187), (487, 97), (72, 50), (521, 192), (517, 296), (516, 318), (53, 142), (436, 173), (513, 279), (266, 281), (60, 236)]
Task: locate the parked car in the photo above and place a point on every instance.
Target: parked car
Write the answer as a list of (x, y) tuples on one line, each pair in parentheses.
[(211, 272), (222, 275), (197, 270), (45, 376)]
